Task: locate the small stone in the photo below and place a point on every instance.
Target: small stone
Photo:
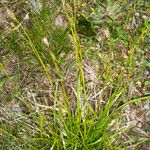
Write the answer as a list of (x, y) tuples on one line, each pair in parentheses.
[(139, 125), (144, 17), (60, 22), (146, 72), (137, 14), (146, 107)]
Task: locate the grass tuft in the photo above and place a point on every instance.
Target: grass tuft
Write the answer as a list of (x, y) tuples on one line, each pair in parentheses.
[(70, 72)]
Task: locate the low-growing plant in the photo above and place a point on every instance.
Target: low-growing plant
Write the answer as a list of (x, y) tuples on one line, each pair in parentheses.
[(67, 117)]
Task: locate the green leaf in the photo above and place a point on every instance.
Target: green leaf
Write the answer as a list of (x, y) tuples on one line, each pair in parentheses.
[(3, 69)]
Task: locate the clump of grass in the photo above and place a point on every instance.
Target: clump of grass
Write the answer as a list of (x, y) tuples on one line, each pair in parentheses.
[(95, 121)]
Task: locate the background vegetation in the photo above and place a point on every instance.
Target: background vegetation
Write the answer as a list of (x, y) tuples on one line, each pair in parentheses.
[(74, 74)]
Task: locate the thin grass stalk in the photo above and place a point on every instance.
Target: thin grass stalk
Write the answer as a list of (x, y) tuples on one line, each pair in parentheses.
[(11, 14), (132, 50)]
